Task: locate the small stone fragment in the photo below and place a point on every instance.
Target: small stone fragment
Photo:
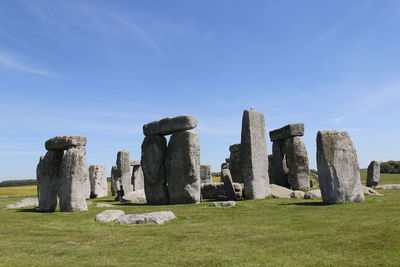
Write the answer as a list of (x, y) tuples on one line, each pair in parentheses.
[(297, 194), (134, 197), (313, 194), (222, 204), (370, 191)]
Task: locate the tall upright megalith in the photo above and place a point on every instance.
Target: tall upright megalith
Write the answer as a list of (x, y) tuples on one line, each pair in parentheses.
[(154, 149), (47, 174), (234, 163), (338, 169), (98, 181), (124, 170), (374, 173), (253, 155), (205, 174), (73, 176), (137, 175), (114, 180), (183, 167), (289, 157)]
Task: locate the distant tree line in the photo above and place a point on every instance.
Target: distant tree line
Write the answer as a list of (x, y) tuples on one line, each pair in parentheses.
[(9, 183), (390, 166)]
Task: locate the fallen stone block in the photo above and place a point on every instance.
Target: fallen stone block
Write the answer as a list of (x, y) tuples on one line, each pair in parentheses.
[(370, 191), (297, 194), (279, 191), (109, 215), (388, 186), (157, 217), (103, 205), (23, 203), (313, 194), (134, 197)]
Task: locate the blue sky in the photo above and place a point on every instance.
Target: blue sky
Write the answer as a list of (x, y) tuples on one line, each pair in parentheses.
[(104, 68)]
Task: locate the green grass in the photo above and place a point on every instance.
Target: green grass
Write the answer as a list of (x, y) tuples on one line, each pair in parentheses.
[(272, 232)]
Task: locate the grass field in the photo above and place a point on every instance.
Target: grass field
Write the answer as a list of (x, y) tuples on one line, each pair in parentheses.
[(272, 232)]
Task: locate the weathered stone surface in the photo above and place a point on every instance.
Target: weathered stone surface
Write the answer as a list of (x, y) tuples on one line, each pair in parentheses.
[(253, 155), (109, 215), (271, 169), (227, 180), (104, 205), (65, 142), (297, 164), (135, 163), (388, 186), (313, 183), (47, 175), (98, 181), (234, 163), (74, 175), (313, 194), (124, 169), (291, 130), (280, 191), (374, 173), (23, 203), (154, 149), (297, 194), (338, 169), (137, 178), (279, 169), (183, 168), (114, 180), (222, 204), (239, 188), (205, 174), (134, 197), (170, 125), (212, 190), (157, 217), (370, 191)]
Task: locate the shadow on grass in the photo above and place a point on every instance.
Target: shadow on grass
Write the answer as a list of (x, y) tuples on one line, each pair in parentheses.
[(34, 209), (304, 204)]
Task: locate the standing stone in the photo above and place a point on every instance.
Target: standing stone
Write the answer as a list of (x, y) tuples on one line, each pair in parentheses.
[(137, 178), (279, 169), (374, 173), (338, 169), (114, 177), (154, 149), (47, 175), (227, 180), (254, 156), (297, 163), (205, 174), (98, 181), (124, 169), (183, 167), (234, 163), (73, 176)]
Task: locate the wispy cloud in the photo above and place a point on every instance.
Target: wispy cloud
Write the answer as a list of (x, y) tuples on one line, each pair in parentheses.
[(336, 120), (11, 62)]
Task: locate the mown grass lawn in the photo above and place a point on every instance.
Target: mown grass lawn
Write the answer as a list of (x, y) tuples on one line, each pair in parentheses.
[(274, 232)]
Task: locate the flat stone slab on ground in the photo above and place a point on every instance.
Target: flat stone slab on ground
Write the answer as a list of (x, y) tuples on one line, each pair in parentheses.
[(313, 194), (279, 191), (109, 215), (170, 125), (388, 186), (158, 217), (222, 204), (64, 142), (295, 129), (104, 205), (26, 202)]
